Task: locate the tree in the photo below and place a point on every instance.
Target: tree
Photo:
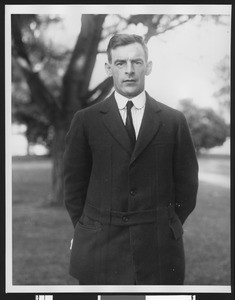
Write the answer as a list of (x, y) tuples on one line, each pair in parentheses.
[(52, 99), (223, 93), (208, 128)]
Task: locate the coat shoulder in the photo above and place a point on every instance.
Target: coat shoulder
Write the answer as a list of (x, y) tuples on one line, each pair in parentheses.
[(93, 108), (167, 111), (171, 112)]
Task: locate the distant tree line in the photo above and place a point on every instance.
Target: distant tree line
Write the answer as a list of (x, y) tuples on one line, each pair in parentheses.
[(207, 127)]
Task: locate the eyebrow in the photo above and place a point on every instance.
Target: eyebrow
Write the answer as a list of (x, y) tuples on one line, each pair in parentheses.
[(124, 60)]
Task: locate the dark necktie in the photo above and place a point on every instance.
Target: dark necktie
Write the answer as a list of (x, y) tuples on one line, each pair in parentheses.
[(129, 123)]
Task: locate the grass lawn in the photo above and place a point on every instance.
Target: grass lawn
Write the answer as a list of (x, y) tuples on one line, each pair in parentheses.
[(42, 233)]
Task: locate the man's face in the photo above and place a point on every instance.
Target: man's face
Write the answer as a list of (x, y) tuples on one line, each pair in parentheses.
[(128, 69)]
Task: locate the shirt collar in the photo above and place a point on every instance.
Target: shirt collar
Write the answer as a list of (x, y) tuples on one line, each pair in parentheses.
[(138, 101)]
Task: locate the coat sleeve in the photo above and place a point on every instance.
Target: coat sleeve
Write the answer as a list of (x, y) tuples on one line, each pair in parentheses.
[(185, 171), (77, 167)]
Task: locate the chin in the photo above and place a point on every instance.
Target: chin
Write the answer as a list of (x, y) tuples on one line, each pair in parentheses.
[(131, 94)]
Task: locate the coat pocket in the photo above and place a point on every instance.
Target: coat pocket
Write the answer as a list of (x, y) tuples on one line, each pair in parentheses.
[(87, 223), (85, 252), (176, 227)]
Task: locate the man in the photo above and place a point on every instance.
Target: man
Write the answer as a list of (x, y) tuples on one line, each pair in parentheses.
[(131, 178)]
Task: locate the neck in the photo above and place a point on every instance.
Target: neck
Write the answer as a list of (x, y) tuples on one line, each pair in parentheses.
[(129, 96)]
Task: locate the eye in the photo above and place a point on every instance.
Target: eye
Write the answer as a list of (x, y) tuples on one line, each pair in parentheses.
[(120, 63)]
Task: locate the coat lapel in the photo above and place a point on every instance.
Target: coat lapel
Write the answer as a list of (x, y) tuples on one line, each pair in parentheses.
[(113, 122), (150, 125)]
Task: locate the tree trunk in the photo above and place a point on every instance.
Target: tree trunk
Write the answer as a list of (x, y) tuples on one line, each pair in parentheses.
[(74, 94), (57, 163)]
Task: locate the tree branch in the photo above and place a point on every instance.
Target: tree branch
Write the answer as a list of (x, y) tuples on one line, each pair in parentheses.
[(39, 92), (175, 26), (102, 85), (78, 74), (100, 92), (153, 22)]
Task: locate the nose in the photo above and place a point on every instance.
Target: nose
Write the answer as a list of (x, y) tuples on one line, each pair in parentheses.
[(129, 68)]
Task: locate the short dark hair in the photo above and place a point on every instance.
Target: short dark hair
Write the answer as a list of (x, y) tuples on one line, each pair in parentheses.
[(122, 39)]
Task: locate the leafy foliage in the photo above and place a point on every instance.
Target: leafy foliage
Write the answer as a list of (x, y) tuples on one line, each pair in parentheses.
[(223, 92), (208, 128)]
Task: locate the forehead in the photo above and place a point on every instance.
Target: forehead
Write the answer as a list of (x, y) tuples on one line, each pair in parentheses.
[(131, 51)]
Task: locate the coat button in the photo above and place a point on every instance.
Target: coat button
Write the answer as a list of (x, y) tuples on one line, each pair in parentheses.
[(125, 219), (132, 192)]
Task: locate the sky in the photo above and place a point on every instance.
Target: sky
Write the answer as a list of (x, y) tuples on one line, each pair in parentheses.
[(185, 62)]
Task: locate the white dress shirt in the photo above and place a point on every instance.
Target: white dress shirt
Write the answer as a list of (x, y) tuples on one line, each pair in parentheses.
[(137, 110)]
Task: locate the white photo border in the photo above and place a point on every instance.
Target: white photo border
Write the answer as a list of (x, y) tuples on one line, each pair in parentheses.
[(84, 9)]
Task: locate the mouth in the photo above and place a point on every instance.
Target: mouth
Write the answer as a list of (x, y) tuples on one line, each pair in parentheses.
[(129, 81)]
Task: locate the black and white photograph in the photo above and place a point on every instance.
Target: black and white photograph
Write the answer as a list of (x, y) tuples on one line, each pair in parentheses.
[(118, 149)]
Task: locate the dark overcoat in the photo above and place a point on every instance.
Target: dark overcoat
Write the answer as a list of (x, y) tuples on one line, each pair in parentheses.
[(128, 207)]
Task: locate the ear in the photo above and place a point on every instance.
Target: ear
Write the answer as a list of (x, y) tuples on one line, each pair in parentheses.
[(108, 69), (148, 68)]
